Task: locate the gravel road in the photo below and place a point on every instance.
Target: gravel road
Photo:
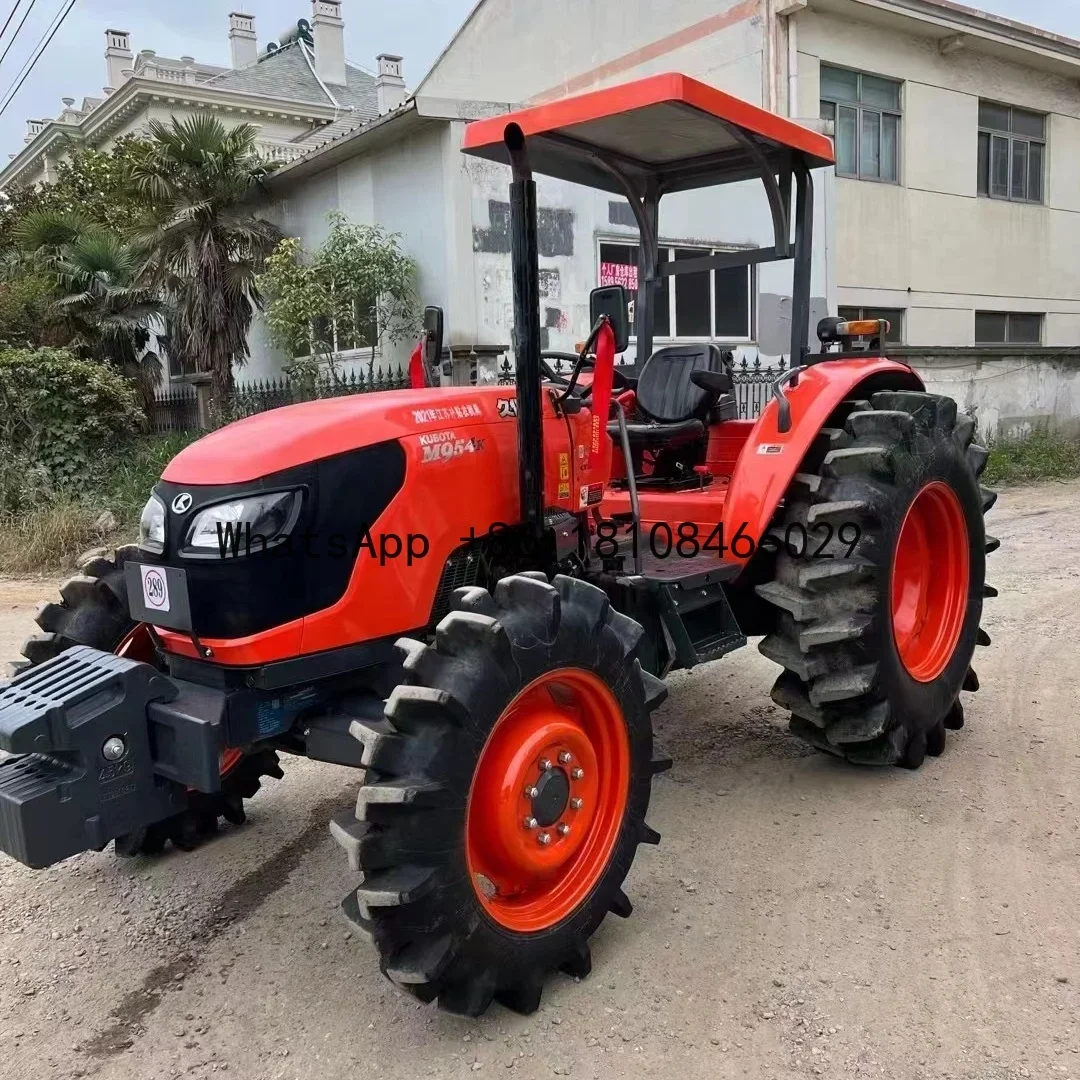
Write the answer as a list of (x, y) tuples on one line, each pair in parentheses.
[(801, 918)]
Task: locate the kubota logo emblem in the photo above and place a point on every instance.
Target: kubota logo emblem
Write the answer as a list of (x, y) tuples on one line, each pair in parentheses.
[(182, 503)]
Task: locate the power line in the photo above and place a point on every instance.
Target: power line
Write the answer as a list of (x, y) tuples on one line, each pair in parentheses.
[(11, 15), (36, 56), (18, 28)]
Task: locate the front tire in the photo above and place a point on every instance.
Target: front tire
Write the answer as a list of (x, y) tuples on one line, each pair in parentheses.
[(877, 635), (506, 794)]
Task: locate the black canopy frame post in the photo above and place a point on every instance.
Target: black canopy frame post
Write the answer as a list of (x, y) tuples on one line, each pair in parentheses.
[(801, 277), (525, 263)]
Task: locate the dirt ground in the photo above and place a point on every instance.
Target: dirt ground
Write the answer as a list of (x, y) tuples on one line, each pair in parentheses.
[(801, 918)]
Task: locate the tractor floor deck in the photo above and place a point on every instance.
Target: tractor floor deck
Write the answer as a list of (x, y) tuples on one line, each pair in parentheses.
[(683, 573)]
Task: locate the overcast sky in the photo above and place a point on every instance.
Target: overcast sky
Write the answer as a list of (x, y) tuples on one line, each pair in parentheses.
[(74, 65)]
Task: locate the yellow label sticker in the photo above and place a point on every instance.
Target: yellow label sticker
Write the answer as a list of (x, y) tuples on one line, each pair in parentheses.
[(564, 491), (564, 466)]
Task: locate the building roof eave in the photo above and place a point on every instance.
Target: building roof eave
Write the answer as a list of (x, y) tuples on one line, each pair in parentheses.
[(415, 113), (30, 156), (974, 28), (367, 136), (98, 123)]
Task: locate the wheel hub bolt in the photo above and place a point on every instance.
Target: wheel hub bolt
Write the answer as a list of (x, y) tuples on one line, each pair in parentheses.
[(564, 757), (544, 838), (114, 749), (576, 803), (530, 823), (545, 765), (531, 792), (564, 829), (577, 774)]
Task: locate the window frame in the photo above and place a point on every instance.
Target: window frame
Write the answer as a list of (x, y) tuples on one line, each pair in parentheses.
[(1009, 341), (666, 251), (866, 311), (355, 352), (860, 107), (1012, 138)]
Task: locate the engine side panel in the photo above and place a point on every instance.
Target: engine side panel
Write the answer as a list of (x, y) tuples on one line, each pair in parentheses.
[(460, 459)]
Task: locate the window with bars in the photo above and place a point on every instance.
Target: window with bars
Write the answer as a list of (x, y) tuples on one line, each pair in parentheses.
[(1012, 153), (894, 316), (708, 304), (866, 113), (1008, 328)]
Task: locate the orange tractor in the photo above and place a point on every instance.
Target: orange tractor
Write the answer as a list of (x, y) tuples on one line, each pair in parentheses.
[(474, 594)]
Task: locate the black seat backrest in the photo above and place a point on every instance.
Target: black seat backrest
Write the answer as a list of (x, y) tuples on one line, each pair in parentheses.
[(665, 393)]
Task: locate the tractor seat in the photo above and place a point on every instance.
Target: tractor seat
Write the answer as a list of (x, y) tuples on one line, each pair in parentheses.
[(675, 391)]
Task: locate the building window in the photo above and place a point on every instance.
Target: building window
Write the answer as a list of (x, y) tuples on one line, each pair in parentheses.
[(1012, 153), (894, 317), (710, 304), (341, 336), (865, 111), (1008, 328)]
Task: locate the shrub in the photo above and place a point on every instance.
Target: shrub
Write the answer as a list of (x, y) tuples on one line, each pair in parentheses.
[(1043, 455), (25, 484), (63, 412), (44, 529)]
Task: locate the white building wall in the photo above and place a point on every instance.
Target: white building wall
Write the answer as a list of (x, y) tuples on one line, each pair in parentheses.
[(534, 51), (403, 188), (930, 244)]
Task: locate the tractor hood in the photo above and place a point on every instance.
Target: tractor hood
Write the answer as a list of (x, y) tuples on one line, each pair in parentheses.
[(281, 439)]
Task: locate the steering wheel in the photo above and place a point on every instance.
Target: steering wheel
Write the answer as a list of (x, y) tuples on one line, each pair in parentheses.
[(550, 373), (618, 380)]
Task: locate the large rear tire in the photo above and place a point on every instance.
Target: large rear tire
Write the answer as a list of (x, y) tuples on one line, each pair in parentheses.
[(877, 635), (506, 794), (93, 611)]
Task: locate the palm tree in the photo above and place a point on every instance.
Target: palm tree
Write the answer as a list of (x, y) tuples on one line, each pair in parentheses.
[(100, 310), (203, 246)]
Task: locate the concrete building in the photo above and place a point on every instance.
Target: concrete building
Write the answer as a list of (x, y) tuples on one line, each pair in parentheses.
[(953, 210), (300, 92)]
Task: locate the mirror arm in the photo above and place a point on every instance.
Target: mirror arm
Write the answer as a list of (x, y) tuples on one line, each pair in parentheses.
[(594, 333)]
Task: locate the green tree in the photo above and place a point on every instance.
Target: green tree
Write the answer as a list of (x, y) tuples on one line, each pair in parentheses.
[(97, 309), (26, 298), (357, 290), (202, 244), (92, 183)]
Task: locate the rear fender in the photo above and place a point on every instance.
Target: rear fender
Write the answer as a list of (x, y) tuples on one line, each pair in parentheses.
[(771, 458)]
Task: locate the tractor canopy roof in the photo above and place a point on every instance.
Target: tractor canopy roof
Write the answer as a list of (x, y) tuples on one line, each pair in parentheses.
[(670, 129)]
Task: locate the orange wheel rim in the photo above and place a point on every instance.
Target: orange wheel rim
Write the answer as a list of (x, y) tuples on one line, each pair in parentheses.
[(547, 800), (139, 645), (930, 579)]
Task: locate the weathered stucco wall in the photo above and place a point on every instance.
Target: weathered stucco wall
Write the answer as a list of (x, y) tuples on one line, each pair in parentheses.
[(587, 46), (510, 51), (1010, 394)]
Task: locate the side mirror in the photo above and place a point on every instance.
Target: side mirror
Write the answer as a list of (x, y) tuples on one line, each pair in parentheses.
[(612, 301), (433, 336)]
